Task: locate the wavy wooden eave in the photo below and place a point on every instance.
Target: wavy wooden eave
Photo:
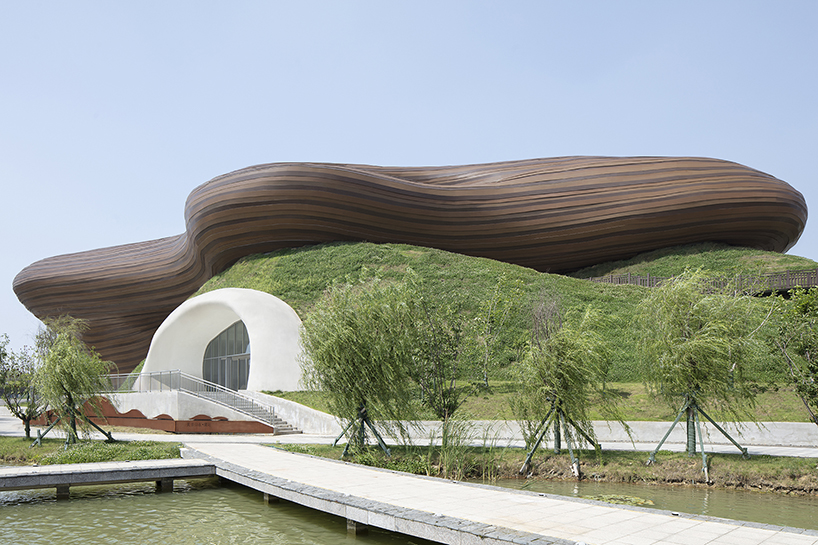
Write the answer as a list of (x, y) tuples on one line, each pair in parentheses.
[(554, 215)]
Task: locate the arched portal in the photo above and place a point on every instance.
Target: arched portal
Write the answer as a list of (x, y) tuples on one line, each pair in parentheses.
[(207, 327)]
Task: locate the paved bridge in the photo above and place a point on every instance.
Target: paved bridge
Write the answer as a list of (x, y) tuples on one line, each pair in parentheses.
[(459, 513), (64, 476), (434, 509)]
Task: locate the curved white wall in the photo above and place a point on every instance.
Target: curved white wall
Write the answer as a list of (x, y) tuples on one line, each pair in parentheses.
[(273, 327)]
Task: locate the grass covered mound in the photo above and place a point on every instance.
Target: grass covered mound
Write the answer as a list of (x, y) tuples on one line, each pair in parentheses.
[(299, 276), (717, 259), (17, 451)]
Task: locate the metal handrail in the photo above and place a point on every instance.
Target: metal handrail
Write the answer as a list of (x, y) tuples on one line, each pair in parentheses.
[(159, 381), (779, 281)]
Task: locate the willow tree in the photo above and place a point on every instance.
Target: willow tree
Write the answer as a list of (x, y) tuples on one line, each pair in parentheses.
[(798, 342), (70, 374), (17, 384), (562, 372), (359, 343), (696, 344)]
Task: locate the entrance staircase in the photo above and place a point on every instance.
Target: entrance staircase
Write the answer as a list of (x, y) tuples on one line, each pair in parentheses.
[(248, 406), (159, 381)]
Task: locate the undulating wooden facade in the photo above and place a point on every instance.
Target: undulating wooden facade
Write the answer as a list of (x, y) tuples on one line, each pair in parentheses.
[(555, 215)]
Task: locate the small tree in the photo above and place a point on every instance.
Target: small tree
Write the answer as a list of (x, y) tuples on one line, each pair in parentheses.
[(564, 368), (359, 345), (17, 384), (492, 317), (70, 374), (696, 343), (798, 342), (443, 344)]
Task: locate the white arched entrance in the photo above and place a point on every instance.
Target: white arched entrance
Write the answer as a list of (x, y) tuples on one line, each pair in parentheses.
[(272, 326)]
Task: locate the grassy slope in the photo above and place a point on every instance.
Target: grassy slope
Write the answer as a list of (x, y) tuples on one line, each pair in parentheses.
[(719, 259), (300, 275)]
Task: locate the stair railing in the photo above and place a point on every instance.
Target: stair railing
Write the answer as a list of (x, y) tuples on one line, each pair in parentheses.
[(163, 381)]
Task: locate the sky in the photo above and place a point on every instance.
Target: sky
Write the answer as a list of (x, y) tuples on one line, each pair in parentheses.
[(111, 113)]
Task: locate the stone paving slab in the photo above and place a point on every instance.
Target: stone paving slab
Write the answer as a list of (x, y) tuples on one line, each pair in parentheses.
[(460, 513)]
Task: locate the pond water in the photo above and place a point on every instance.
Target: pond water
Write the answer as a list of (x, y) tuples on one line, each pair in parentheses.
[(196, 512), (205, 512), (764, 507)]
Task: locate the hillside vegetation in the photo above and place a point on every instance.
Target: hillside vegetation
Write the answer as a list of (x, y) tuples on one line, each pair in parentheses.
[(299, 276), (718, 259)]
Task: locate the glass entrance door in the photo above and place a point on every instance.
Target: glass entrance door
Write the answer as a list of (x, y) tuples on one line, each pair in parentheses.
[(227, 358), (234, 372)]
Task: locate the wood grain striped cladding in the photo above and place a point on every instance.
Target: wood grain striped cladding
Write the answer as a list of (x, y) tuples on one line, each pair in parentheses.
[(555, 214)]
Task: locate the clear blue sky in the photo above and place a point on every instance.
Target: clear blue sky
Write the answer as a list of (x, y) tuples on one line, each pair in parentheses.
[(112, 112)]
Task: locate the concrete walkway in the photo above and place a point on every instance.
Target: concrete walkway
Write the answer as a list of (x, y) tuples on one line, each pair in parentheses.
[(64, 476), (458, 513), (778, 439)]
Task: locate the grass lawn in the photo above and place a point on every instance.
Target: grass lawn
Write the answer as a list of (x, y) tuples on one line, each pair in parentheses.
[(487, 464), (772, 405), (18, 451)]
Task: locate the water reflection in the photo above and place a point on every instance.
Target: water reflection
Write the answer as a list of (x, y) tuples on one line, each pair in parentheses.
[(767, 508), (705, 502), (200, 512)]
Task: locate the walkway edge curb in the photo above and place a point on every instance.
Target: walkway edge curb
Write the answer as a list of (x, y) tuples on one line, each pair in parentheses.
[(434, 527), (431, 526)]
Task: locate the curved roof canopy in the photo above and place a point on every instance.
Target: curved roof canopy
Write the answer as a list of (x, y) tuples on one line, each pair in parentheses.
[(555, 215)]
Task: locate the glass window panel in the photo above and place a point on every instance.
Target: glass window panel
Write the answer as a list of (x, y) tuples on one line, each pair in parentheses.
[(220, 365)]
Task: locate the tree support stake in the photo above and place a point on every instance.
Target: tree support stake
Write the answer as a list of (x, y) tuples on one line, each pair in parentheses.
[(543, 429), (652, 457), (109, 438), (39, 440), (363, 422), (557, 418), (691, 409)]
